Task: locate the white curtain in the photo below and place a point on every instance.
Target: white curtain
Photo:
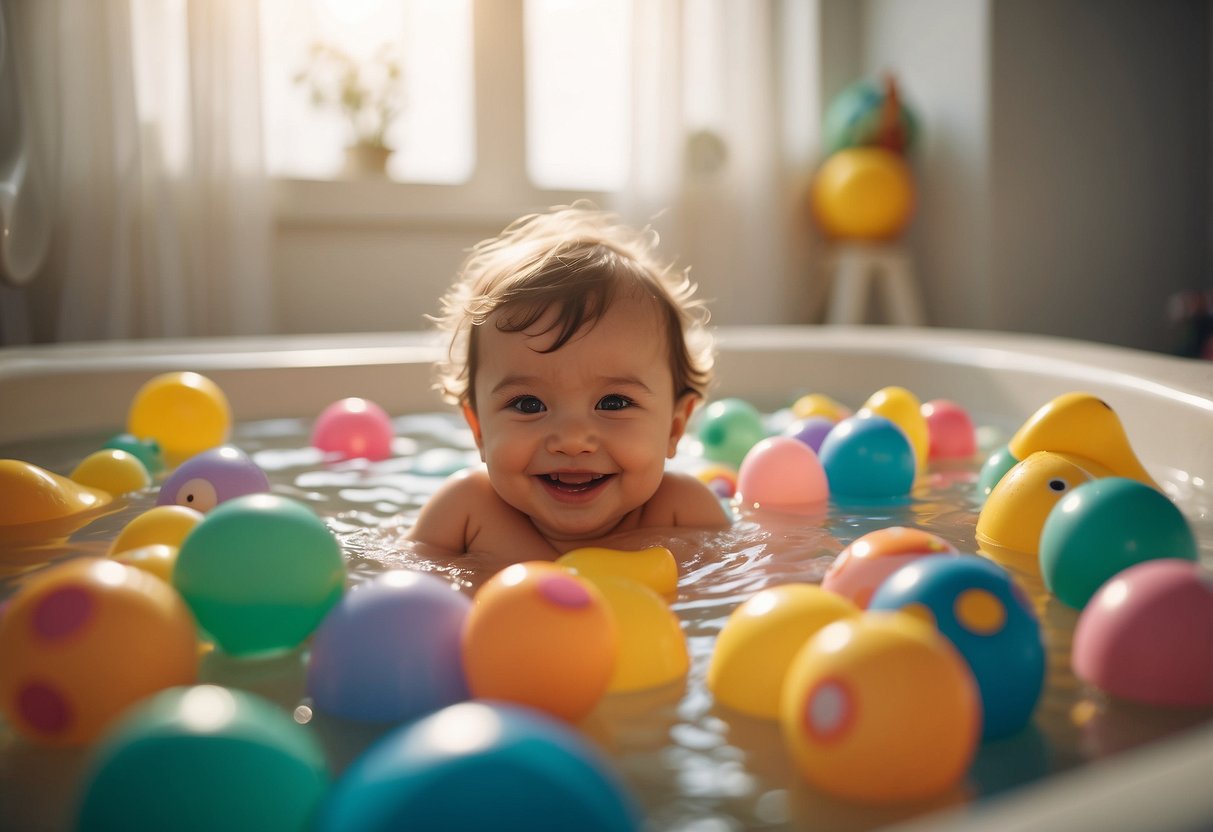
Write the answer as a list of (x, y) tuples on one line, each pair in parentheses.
[(149, 115), (723, 140)]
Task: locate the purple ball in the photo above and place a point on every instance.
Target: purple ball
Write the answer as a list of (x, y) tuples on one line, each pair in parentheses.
[(391, 650), (811, 431), (213, 477)]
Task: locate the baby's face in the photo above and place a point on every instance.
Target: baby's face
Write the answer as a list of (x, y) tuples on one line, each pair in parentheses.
[(577, 438)]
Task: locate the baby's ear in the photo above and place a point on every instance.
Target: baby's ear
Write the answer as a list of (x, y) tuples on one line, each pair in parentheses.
[(684, 406), (469, 414)]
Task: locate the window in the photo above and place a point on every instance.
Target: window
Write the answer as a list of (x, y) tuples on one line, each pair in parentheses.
[(572, 65)]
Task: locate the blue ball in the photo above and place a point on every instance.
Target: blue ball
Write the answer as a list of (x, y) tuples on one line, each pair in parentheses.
[(480, 765), (390, 650), (977, 605), (868, 458)]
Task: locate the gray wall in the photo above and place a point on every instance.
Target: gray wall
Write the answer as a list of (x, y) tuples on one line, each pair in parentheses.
[(1065, 163)]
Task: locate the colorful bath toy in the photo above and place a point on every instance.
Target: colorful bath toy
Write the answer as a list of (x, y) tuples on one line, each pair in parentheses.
[(354, 428), (84, 640), (782, 474), (148, 450), (1080, 425), (1016, 510), (653, 566), (652, 648), (868, 458), (157, 559), (205, 757), (538, 635), (186, 413), (902, 408), (996, 466), (976, 604), (812, 430), (728, 428), (881, 708), (112, 470), (950, 430), (756, 646), (863, 566), (481, 765), (390, 650), (41, 505), (260, 572), (721, 479), (1147, 635), (1104, 526), (207, 479), (820, 405), (162, 524)]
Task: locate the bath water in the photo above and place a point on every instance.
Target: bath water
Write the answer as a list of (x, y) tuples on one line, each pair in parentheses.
[(692, 764)]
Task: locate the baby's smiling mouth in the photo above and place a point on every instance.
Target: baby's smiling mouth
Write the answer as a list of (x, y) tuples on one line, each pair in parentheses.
[(574, 482)]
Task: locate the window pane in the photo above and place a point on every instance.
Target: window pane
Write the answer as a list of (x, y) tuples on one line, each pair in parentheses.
[(578, 93), (432, 39)]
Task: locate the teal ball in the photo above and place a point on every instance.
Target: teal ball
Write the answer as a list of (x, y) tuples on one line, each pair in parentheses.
[(728, 428)]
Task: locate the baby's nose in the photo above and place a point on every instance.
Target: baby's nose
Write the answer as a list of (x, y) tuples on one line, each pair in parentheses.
[(572, 435)]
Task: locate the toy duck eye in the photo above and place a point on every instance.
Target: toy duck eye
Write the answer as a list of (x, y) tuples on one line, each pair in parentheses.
[(198, 494), (1058, 485)]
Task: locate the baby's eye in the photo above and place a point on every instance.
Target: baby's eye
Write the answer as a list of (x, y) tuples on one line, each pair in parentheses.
[(526, 404), (614, 402)]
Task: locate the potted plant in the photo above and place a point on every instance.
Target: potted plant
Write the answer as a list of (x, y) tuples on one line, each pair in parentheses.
[(369, 94)]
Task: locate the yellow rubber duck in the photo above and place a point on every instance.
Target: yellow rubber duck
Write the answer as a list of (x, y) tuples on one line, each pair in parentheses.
[(39, 505)]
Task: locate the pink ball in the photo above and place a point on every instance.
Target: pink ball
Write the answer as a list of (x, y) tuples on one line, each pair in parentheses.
[(950, 430), (782, 473), (352, 428), (1147, 635)]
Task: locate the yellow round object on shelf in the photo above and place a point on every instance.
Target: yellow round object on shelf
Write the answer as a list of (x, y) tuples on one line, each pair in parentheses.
[(652, 648), (654, 567), (863, 193), (112, 470), (881, 708), (163, 524), (186, 413), (757, 644)]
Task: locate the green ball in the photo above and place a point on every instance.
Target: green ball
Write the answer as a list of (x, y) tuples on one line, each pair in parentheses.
[(853, 118), (728, 429), (1103, 527), (204, 758), (146, 451), (995, 467), (260, 572)]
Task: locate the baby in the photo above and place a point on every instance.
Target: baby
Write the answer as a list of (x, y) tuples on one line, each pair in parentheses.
[(577, 359)]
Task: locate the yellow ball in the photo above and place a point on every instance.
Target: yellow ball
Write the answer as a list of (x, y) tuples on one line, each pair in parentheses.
[(819, 404), (186, 413), (902, 408), (757, 644), (163, 524), (654, 567), (83, 641), (652, 648), (112, 470), (157, 559), (863, 193), (881, 708)]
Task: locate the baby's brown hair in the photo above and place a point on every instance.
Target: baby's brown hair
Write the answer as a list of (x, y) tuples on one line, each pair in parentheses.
[(577, 259)]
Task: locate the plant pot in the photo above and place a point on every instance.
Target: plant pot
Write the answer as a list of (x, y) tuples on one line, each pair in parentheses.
[(366, 160)]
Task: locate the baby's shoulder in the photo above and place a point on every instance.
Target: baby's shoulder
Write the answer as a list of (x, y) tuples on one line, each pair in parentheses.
[(682, 500)]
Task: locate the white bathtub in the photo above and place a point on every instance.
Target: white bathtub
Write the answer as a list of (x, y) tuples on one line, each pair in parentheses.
[(1165, 403)]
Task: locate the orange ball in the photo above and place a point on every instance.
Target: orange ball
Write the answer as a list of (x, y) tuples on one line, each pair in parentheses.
[(541, 636), (881, 708), (83, 641), (863, 193)]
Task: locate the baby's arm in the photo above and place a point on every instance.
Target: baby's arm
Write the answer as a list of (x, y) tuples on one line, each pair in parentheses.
[(687, 502)]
